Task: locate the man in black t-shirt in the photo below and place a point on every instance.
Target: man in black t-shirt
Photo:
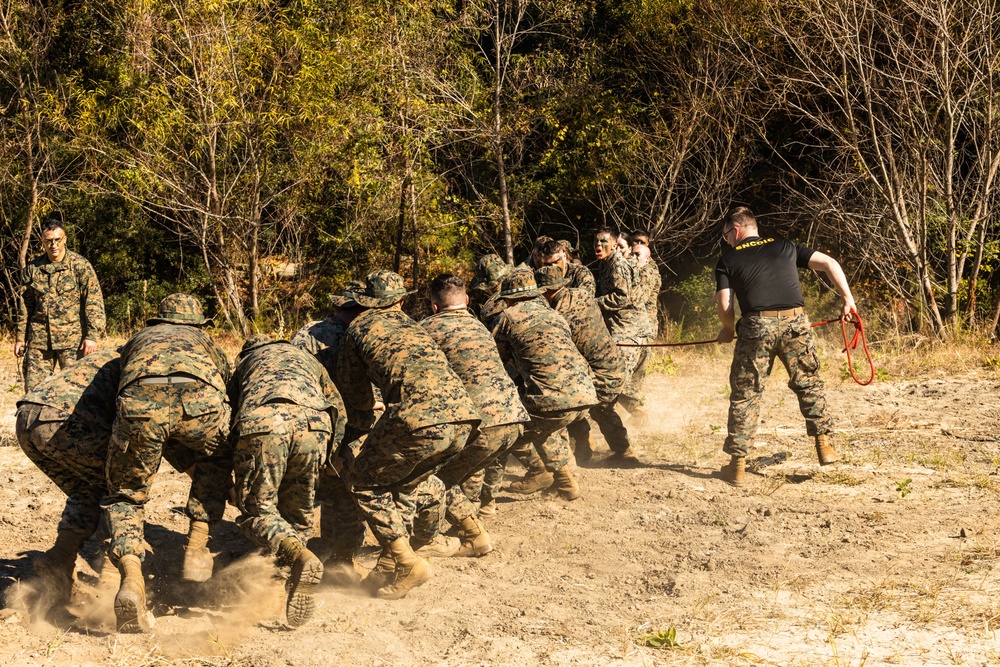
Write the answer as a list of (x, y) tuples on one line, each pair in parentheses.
[(763, 273)]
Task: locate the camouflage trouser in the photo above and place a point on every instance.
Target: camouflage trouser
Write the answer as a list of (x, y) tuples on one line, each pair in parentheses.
[(423, 509), (610, 424), (394, 460), (72, 455), (489, 480), (546, 434), (38, 364), (636, 359), (491, 443), (759, 341), (277, 459), (153, 420)]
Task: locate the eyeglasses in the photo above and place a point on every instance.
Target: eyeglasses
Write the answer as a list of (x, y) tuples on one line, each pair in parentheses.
[(725, 233), (58, 241)]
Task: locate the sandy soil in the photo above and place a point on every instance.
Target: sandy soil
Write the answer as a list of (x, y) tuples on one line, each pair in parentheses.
[(886, 558)]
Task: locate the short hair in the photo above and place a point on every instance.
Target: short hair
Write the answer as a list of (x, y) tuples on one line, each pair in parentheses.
[(640, 232), (51, 224), (551, 248), (539, 242), (448, 289), (741, 215), (606, 230)]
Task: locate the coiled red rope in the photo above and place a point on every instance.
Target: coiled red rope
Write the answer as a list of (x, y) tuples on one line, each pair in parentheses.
[(853, 319)]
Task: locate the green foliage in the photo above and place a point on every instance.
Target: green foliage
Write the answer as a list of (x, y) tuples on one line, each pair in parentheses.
[(661, 363), (662, 639), (903, 487), (698, 318)]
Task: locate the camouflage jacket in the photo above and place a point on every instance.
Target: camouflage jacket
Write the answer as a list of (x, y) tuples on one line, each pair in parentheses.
[(170, 349), (84, 392), (593, 340), (580, 277), (386, 348), (491, 310), (537, 341), (284, 373), (473, 356), (60, 304), (621, 299), (649, 275), (319, 335)]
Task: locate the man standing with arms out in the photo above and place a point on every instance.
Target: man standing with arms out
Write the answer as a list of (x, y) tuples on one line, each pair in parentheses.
[(61, 310), (763, 274), (428, 418), (623, 305), (473, 356), (171, 396), (557, 389), (288, 414)]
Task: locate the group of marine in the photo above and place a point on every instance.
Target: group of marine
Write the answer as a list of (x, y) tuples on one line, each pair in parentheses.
[(385, 423)]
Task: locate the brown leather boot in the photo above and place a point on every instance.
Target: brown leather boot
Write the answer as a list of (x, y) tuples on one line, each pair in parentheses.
[(411, 571), (627, 459), (130, 602), (381, 575), (198, 559), (488, 509), (56, 565), (441, 546), (734, 473), (475, 540), (583, 449), (825, 451), (565, 484), (537, 478), (307, 571)]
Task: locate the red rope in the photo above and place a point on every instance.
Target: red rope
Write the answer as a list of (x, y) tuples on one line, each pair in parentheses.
[(859, 335)]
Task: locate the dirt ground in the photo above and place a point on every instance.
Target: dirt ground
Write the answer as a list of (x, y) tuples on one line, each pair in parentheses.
[(886, 558)]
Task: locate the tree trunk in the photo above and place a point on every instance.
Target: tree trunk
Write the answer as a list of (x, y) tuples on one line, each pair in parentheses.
[(508, 237)]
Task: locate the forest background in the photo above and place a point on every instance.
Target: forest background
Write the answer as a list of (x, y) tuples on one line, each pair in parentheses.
[(262, 153)]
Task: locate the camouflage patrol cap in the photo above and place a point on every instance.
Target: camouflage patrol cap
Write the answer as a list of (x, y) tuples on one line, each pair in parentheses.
[(519, 283), (346, 297), (490, 269), (381, 290), (255, 341), (180, 308), (550, 277)]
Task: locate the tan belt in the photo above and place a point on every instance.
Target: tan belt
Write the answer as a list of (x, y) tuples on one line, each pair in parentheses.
[(791, 312), (169, 379)]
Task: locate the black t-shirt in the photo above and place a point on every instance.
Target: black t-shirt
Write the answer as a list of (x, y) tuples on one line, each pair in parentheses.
[(763, 273)]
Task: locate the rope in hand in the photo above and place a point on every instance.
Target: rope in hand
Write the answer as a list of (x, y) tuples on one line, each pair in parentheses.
[(853, 319)]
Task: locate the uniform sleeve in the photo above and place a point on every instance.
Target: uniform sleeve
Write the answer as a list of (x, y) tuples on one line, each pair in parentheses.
[(653, 289), (91, 301), (721, 276), (356, 389), (587, 281), (620, 295), (221, 361), (500, 338), (803, 255), (25, 304)]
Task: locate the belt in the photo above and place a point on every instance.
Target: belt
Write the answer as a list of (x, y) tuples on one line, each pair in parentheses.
[(167, 379), (791, 312)]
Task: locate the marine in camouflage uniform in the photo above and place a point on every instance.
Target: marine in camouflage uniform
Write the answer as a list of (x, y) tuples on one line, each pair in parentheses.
[(428, 417), (342, 525), (473, 355), (622, 303), (60, 310), (607, 367), (762, 272), (288, 414), (557, 389), (490, 270), (172, 394)]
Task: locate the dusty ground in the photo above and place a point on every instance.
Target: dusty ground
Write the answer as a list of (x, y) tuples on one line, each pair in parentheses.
[(886, 558)]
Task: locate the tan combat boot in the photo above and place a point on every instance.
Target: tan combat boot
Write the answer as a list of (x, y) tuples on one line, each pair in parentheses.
[(627, 459), (342, 570), (565, 485), (475, 540), (130, 602), (734, 473), (198, 560), (825, 451), (411, 571), (381, 575), (441, 546), (535, 479), (56, 565), (488, 509), (307, 571)]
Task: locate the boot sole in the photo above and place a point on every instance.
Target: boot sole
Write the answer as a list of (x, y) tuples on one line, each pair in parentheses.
[(475, 552), (131, 614), (301, 588), (419, 575)]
